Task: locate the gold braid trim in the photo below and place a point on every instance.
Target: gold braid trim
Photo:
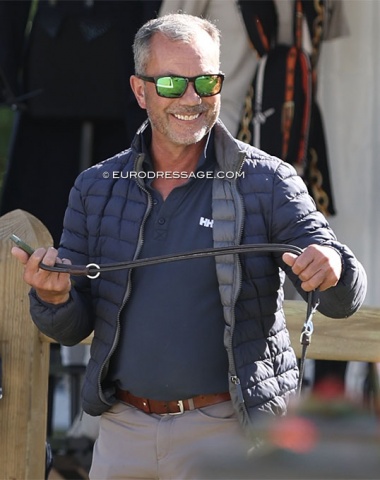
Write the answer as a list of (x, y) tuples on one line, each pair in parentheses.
[(245, 133), (315, 183)]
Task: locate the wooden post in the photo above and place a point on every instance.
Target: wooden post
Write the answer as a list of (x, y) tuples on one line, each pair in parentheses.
[(25, 359)]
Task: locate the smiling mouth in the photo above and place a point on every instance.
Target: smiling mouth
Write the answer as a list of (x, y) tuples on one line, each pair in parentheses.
[(187, 117)]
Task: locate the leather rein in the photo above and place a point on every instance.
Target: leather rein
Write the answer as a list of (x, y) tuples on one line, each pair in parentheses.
[(93, 270)]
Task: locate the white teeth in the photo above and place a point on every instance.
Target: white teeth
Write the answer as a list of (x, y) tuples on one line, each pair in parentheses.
[(187, 117)]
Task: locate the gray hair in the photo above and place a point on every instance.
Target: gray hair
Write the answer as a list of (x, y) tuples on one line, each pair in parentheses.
[(175, 26)]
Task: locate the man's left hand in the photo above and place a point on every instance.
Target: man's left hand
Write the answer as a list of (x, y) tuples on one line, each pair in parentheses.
[(318, 267)]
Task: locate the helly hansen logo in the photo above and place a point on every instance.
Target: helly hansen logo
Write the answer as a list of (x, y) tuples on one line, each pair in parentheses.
[(206, 222)]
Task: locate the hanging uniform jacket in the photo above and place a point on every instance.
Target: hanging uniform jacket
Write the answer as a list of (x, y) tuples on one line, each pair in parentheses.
[(281, 114)]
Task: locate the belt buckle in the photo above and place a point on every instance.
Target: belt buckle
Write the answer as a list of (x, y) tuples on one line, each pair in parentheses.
[(181, 408)]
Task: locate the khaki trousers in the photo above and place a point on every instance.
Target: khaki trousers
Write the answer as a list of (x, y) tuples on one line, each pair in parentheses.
[(136, 445)]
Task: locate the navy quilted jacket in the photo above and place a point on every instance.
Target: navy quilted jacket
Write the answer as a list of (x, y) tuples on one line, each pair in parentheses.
[(266, 203)]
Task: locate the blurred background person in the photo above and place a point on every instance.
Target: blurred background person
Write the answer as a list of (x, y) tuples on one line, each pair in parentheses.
[(67, 66)]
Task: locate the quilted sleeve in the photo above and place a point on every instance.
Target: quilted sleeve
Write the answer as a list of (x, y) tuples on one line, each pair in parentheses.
[(295, 220), (71, 322)]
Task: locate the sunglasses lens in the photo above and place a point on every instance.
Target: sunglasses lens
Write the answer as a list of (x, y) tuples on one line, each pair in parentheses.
[(208, 85), (171, 87), (175, 87)]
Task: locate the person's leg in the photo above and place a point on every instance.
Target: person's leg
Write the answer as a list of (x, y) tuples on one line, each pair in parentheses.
[(135, 445), (126, 445), (193, 443)]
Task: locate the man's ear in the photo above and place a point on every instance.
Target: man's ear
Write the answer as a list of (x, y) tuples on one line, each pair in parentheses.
[(138, 89)]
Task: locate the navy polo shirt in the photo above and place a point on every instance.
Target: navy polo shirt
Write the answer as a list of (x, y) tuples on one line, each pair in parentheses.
[(171, 342)]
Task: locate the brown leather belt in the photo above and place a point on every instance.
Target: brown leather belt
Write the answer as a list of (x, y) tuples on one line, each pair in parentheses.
[(171, 407)]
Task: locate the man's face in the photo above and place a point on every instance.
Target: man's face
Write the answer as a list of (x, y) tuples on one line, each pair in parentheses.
[(185, 120)]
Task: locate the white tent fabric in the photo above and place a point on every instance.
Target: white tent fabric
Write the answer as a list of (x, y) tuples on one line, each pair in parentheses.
[(349, 97)]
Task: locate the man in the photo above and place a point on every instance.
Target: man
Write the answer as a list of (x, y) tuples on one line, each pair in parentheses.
[(204, 339)]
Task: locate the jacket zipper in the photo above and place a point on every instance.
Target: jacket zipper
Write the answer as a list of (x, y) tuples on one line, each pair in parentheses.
[(235, 380), (127, 292)]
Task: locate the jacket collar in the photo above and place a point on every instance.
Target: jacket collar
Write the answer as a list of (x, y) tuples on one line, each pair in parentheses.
[(230, 153)]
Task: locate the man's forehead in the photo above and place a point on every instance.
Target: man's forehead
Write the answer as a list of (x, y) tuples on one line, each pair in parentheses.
[(201, 49)]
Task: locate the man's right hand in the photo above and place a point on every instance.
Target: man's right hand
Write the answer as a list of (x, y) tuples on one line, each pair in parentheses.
[(50, 287)]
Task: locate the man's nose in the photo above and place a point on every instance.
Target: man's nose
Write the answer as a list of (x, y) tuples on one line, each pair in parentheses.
[(191, 96)]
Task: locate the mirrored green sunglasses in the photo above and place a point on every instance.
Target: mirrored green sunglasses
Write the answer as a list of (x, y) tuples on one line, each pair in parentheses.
[(171, 86)]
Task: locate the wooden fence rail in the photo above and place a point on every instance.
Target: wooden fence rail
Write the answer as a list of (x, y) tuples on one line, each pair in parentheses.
[(24, 352)]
